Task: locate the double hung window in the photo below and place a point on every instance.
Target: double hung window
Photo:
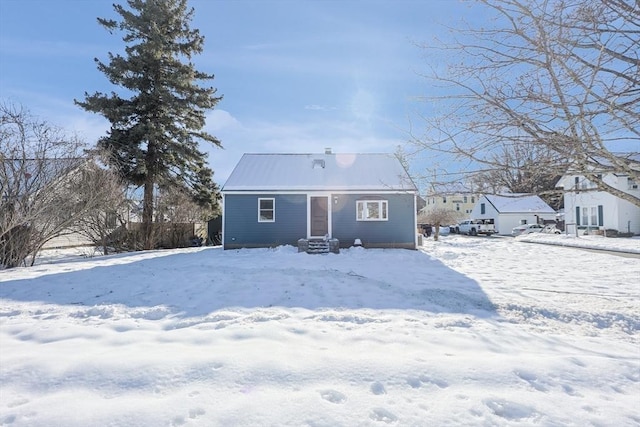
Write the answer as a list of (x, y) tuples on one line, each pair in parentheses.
[(266, 210), (590, 216)]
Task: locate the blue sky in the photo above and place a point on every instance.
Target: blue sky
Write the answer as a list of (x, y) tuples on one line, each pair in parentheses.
[(296, 76)]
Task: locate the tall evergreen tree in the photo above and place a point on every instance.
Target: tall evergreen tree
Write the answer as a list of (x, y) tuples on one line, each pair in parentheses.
[(157, 120)]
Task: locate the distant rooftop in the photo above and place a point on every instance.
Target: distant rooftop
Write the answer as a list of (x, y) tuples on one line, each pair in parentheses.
[(518, 203), (319, 172)]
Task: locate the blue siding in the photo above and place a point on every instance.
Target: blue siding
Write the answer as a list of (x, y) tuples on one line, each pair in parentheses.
[(398, 231), (242, 229)]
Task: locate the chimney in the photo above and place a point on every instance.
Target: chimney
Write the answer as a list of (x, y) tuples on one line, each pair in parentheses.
[(327, 150)]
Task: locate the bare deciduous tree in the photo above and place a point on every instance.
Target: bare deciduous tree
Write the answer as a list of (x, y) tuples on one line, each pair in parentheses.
[(525, 168), (560, 78), (42, 173), (176, 205), (34, 155), (176, 208), (438, 217), (103, 221)]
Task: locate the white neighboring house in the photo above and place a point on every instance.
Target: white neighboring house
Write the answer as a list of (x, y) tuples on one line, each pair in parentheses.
[(511, 210), (590, 209)]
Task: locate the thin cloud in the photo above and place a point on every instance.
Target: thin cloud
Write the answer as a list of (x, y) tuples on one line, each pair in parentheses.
[(220, 120), (316, 107)]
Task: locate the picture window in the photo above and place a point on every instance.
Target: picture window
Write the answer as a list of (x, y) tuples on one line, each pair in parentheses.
[(372, 210)]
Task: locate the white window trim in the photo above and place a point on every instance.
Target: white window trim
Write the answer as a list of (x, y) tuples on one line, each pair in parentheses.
[(591, 213), (380, 210), (273, 200)]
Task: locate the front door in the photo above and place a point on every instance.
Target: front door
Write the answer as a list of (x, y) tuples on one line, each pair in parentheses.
[(319, 216)]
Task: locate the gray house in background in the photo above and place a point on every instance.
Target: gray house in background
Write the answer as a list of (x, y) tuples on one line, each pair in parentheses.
[(277, 199)]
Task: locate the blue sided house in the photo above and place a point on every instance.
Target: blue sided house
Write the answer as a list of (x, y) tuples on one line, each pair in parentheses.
[(282, 199)]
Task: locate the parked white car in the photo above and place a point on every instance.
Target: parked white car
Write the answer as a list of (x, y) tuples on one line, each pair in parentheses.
[(473, 227), (526, 229), (534, 228)]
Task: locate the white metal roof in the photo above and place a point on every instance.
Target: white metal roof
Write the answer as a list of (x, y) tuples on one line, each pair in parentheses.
[(519, 203), (319, 172)]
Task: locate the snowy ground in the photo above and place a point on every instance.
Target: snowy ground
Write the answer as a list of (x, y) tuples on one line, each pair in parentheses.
[(465, 332), (617, 244)]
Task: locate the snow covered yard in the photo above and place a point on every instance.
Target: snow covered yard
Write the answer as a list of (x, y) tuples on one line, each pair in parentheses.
[(465, 332)]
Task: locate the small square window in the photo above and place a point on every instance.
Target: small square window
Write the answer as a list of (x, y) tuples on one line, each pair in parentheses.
[(266, 210)]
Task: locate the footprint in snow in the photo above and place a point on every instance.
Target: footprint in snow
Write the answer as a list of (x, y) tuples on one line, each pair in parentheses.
[(196, 412), (181, 420), (178, 421), (438, 383), (377, 388), (509, 410), (17, 402), (531, 379), (10, 419), (381, 414), (333, 396), (416, 382)]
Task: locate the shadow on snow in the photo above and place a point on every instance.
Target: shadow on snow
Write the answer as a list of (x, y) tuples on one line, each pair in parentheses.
[(197, 283)]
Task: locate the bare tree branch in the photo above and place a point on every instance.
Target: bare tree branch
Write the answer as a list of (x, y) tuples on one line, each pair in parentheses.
[(555, 78), (42, 177)]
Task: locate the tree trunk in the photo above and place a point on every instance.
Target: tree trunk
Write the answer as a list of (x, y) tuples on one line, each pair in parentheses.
[(103, 238), (147, 203), (147, 214)]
